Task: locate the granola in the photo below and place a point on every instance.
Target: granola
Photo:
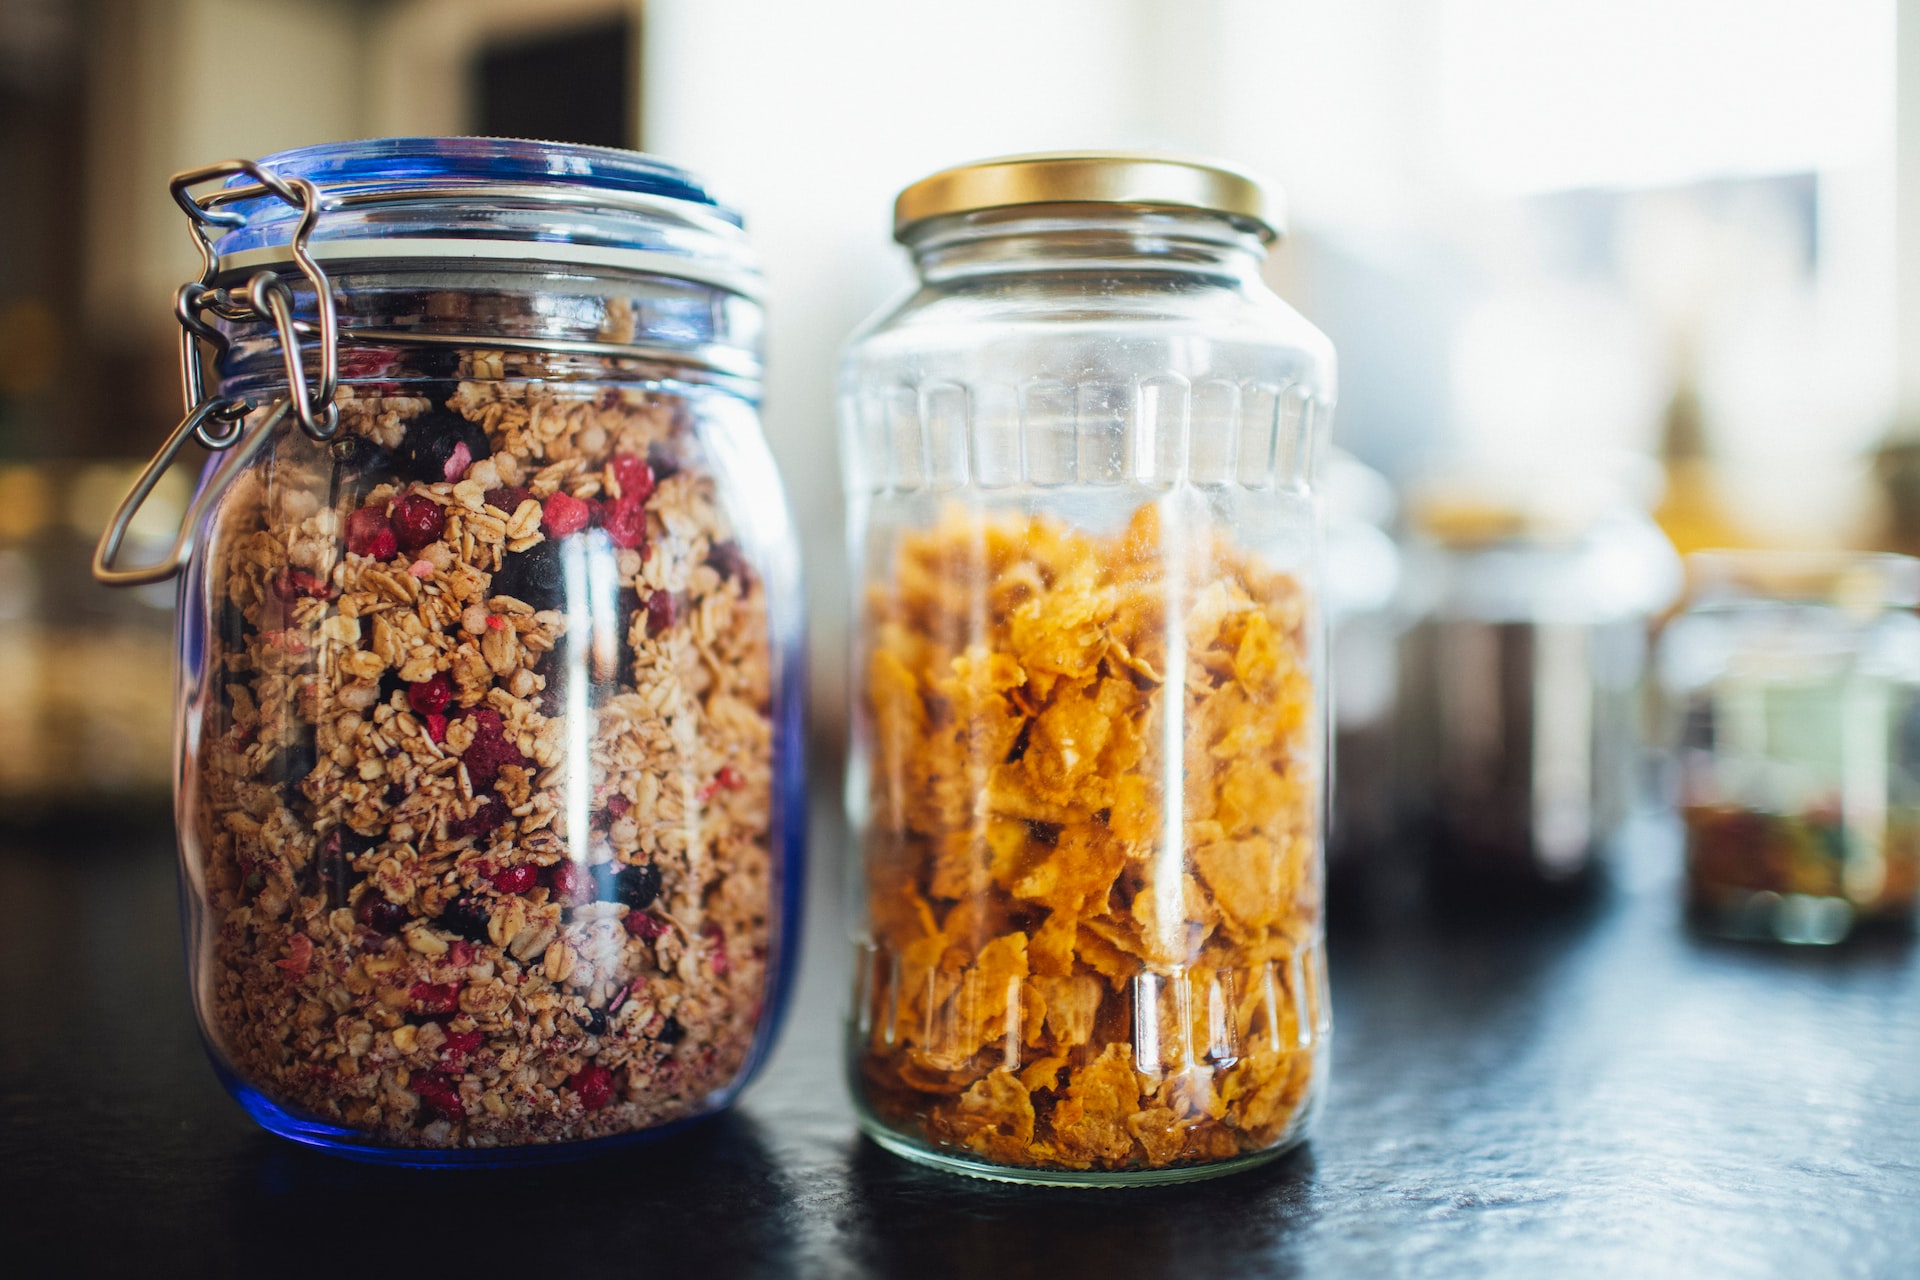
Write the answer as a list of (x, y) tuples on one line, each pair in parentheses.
[(483, 793), (1067, 967)]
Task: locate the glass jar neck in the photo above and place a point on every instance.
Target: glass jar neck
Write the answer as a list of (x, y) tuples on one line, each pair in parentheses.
[(1084, 238)]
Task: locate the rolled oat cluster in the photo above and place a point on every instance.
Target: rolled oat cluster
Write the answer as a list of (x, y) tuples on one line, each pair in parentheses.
[(484, 790), (1071, 968)]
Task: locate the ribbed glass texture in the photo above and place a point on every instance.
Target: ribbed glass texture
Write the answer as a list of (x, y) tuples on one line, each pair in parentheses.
[(1089, 750)]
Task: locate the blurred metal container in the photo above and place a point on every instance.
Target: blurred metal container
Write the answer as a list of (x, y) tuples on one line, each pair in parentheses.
[(1519, 724), (1365, 623)]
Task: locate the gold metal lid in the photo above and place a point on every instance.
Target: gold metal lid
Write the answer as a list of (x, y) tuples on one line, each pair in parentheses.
[(1091, 177)]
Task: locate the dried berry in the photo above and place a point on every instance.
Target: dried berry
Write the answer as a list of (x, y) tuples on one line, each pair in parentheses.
[(636, 887), (596, 1024), (437, 1095), (435, 997), (370, 533), (564, 514), (661, 612), (378, 914), (436, 727), (294, 584), (294, 761), (717, 948), (670, 1032), (466, 916), (566, 883), (533, 576), (617, 806), (729, 561), (461, 1045), (440, 446), (232, 624), (594, 1084), (418, 520), (644, 926), (516, 879), (490, 751), (633, 476), (489, 817), (508, 498), (625, 520), (431, 695)]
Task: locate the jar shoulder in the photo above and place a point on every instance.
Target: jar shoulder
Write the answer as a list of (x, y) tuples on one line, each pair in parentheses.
[(1048, 307)]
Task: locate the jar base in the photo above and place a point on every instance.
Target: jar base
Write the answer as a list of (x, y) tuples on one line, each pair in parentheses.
[(351, 1144), (946, 1163)]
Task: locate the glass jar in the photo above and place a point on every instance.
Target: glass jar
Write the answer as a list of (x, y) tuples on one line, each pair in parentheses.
[(1521, 722), (1793, 683), (490, 787), (1089, 753)]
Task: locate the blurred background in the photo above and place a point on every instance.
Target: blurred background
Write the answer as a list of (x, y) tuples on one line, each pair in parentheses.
[(1671, 242)]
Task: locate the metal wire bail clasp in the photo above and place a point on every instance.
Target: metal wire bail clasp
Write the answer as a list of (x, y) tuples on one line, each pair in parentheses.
[(216, 421)]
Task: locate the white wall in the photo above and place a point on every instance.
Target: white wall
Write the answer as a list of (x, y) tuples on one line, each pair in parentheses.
[(810, 118)]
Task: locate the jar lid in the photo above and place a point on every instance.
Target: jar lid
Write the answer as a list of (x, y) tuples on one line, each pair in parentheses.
[(500, 199), (1133, 178)]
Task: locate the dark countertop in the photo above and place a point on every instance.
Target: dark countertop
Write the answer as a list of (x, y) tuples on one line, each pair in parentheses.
[(1598, 1094)]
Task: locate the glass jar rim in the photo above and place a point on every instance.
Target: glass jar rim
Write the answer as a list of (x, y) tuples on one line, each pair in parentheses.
[(1855, 581), (498, 198)]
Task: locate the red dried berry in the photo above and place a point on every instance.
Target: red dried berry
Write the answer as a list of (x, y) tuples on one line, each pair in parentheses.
[(418, 520), (717, 942), (645, 927), (460, 953), (437, 1094), (435, 997), (461, 1044), (489, 817), (617, 806), (661, 612), (380, 915), (730, 778), (594, 1084), (515, 879), (626, 522), (566, 881), (431, 695), (292, 584), (633, 475), (436, 727), (507, 497), (370, 533), (489, 751), (565, 514)]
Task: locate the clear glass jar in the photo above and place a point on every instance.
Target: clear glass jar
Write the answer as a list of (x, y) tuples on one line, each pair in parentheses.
[(1521, 722), (1793, 684), (1080, 460), (490, 787)]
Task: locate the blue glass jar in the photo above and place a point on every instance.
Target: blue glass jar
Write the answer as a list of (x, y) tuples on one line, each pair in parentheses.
[(490, 787)]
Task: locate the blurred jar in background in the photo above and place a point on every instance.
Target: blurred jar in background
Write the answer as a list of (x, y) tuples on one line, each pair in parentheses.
[(1364, 621), (1520, 723), (85, 673), (1791, 683)]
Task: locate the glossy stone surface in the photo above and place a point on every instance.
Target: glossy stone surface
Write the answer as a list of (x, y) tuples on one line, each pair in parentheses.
[(1598, 1094)]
